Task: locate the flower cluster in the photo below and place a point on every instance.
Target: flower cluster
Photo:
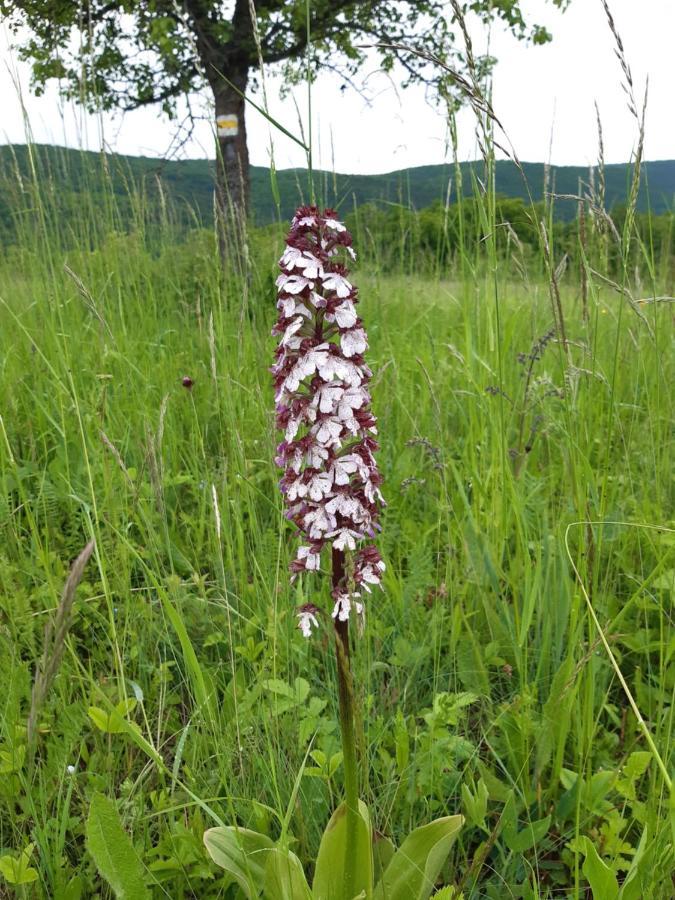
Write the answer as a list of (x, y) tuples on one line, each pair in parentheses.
[(330, 481)]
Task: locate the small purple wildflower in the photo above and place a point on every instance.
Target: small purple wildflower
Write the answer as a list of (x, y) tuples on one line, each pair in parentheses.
[(331, 484), (307, 618)]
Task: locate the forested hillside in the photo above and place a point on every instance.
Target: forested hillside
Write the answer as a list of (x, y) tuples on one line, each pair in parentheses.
[(77, 178)]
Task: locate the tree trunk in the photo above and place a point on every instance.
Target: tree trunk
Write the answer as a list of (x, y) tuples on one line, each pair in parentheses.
[(232, 168)]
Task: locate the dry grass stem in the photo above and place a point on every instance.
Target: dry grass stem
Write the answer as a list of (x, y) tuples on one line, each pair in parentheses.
[(56, 632)]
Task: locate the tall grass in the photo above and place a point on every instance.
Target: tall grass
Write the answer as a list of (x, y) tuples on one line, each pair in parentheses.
[(527, 534)]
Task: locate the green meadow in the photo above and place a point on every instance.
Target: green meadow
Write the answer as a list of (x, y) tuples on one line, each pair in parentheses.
[(519, 666)]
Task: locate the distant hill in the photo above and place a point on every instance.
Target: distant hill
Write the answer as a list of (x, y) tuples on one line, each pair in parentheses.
[(82, 178), (421, 186)]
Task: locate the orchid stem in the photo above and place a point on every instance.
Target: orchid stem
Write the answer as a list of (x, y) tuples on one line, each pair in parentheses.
[(346, 701)]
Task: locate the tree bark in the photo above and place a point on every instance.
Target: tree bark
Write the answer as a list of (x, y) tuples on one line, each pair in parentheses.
[(232, 167)]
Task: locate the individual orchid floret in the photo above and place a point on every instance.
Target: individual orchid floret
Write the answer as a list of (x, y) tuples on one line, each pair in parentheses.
[(330, 483), (307, 619)]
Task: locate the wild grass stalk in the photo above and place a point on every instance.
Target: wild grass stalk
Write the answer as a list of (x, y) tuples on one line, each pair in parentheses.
[(56, 633)]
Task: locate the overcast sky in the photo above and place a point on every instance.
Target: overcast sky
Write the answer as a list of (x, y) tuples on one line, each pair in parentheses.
[(543, 95)]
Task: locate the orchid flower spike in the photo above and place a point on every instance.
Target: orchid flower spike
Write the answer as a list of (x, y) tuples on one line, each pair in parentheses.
[(330, 483)]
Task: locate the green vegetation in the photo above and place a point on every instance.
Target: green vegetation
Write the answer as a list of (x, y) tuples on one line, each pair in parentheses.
[(400, 239), (152, 53), (529, 489), (70, 179)]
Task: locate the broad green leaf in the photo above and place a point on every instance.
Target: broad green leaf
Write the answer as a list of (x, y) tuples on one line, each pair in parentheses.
[(114, 721), (632, 887), (414, 868), (527, 837), (596, 791), (279, 687), (17, 870), (287, 697), (12, 759), (284, 877), (556, 711), (113, 852), (242, 853), (637, 764), (600, 877), (383, 850), (103, 721), (497, 790), (330, 864), (334, 763), (131, 729)]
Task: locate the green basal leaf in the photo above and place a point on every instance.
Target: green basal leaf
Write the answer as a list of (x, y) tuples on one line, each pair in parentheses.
[(600, 877), (242, 853), (112, 850), (330, 864), (414, 868), (284, 877), (383, 850)]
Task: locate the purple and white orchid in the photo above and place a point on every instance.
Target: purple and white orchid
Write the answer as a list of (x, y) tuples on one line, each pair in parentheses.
[(331, 484), (331, 489)]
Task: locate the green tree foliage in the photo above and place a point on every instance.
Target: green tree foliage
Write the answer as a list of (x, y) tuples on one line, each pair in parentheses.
[(402, 239), (131, 54), (436, 234)]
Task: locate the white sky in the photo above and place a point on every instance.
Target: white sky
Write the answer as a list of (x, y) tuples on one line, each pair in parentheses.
[(543, 95)]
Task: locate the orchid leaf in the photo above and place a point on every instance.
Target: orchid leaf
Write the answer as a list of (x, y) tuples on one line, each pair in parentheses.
[(242, 853), (415, 867), (329, 875), (383, 850), (284, 877)]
